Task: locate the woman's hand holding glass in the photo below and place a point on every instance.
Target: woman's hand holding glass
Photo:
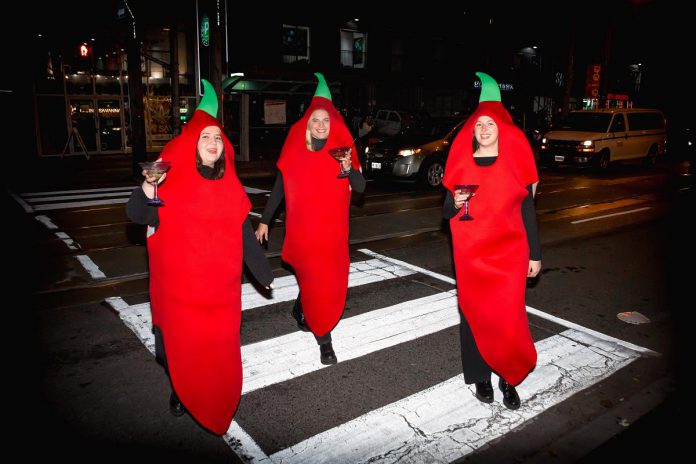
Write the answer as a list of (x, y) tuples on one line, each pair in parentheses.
[(460, 196), (151, 179), (346, 161)]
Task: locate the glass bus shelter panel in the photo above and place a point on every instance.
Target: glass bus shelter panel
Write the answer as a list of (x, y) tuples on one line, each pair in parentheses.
[(83, 119), (110, 134)]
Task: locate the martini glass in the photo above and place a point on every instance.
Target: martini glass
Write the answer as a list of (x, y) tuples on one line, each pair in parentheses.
[(155, 169), (339, 153), (468, 190)]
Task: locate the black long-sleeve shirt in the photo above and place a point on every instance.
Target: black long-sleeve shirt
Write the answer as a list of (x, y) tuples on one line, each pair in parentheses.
[(140, 212), (355, 178), (528, 212)]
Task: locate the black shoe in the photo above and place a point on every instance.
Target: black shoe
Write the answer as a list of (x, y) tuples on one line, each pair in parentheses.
[(175, 407), (511, 399), (327, 354), (484, 391), (298, 316)]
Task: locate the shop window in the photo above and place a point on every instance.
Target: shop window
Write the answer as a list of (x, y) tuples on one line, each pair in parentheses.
[(295, 44), (79, 84), (353, 49)]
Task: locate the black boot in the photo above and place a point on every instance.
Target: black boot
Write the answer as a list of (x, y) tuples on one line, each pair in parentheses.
[(175, 407), (299, 316), (484, 391), (511, 399), (327, 354)]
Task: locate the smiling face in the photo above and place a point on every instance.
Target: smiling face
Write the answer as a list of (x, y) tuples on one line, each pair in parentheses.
[(319, 124), (486, 132), (210, 145)]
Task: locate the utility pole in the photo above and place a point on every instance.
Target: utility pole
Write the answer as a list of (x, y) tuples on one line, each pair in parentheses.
[(174, 75), (570, 77), (607, 58), (135, 94), (210, 16)]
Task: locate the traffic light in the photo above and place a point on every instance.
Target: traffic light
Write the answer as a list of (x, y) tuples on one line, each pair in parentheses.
[(84, 51)]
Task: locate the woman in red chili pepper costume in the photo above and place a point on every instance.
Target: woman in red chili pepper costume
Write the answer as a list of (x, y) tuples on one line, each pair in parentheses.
[(498, 249), (317, 210), (196, 243)]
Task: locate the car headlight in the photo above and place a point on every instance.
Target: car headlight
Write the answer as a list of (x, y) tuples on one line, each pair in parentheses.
[(586, 146), (409, 151)]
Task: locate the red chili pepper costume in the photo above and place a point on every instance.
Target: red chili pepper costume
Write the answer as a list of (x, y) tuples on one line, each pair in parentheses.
[(195, 278), (317, 211), (491, 253)]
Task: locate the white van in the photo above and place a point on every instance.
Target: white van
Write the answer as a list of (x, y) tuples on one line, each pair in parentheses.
[(391, 122), (599, 137)]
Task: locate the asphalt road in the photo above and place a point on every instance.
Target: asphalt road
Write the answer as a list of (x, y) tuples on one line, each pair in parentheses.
[(88, 388)]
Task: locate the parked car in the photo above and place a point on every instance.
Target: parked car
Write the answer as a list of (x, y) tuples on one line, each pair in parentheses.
[(599, 137), (418, 154), (393, 122)]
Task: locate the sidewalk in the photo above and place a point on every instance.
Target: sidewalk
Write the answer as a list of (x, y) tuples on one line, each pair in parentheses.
[(77, 172)]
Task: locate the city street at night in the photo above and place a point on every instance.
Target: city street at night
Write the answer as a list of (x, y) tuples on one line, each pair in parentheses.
[(400, 152)]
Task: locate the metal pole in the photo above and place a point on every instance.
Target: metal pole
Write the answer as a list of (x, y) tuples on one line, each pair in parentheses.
[(197, 57)]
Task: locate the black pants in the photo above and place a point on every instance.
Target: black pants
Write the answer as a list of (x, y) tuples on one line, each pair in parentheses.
[(160, 355), (475, 368), (324, 339)]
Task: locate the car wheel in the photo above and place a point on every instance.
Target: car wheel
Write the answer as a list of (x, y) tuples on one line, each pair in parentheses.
[(651, 158), (603, 161), (433, 174)]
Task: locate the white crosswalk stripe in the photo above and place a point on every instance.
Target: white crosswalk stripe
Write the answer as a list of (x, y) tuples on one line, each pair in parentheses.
[(440, 424), (65, 199)]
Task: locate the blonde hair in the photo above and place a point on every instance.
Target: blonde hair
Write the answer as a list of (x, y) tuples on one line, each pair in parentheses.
[(308, 138)]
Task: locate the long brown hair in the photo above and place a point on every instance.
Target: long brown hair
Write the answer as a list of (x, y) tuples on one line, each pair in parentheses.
[(218, 167), (474, 144)]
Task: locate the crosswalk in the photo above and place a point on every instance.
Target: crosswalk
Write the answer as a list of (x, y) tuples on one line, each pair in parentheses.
[(82, 198), (441, 423)]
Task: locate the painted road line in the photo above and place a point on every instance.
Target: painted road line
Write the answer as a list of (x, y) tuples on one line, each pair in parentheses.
[(446, 422), (360, 273), (252, 213), (386, 327), (45, 220), (422, 270), (138, 319), (64, 199), (26, 206), (288, 356), (610, 215), (76, 204), (68, 241), (283, 358), (78, 197), (531, 310), (89, 265), (442, 423), (591, 333), (66, 192), (253, 190), (244, 446)]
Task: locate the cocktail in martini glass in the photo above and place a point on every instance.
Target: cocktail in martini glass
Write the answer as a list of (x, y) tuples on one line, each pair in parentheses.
[(468, 190), (154, 170)]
